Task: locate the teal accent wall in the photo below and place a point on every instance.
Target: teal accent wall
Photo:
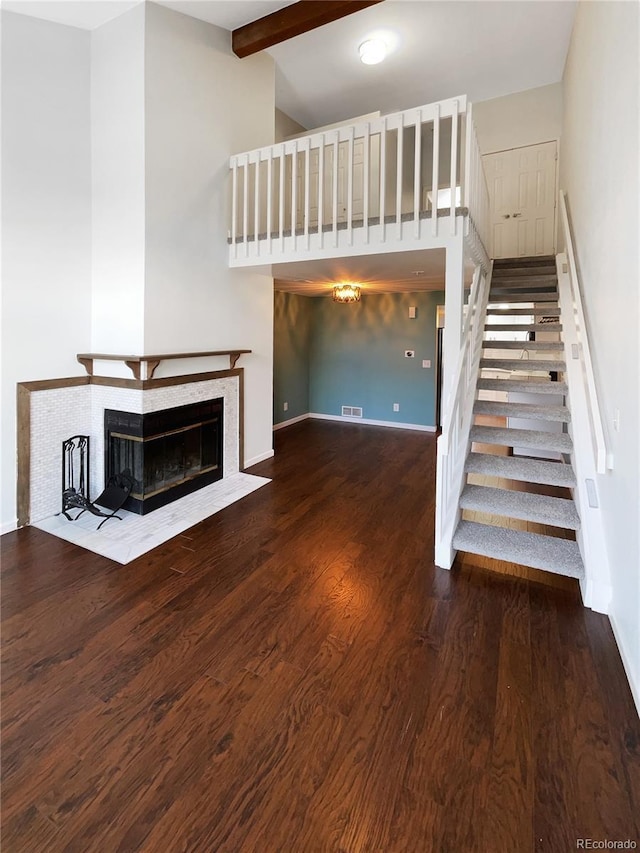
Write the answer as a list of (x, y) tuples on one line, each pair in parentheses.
[(328, 355), (293, 317), (357, 357)]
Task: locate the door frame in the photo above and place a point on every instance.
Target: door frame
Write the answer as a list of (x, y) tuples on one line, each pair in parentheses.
[(555, 139)]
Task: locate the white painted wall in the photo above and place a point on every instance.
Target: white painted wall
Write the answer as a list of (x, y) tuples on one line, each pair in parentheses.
[(599, 171), (46, 214), (285, 126), (524, 118), (202, 105), (118, 184)]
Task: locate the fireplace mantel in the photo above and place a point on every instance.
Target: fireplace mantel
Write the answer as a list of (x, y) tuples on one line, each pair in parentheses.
[(135, 362)]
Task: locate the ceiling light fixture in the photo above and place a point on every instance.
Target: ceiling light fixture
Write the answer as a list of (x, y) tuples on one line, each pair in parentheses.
[(373, 51), (346, 293)]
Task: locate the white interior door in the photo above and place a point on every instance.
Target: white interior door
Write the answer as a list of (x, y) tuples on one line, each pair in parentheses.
[(522, 195)]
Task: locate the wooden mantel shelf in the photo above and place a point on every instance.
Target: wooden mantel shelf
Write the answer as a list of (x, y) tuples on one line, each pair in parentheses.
[(135, 362)]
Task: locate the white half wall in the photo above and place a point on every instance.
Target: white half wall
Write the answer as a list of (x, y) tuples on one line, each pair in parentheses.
[(524, 118), (599, 171), (203, 104), (46, 214)]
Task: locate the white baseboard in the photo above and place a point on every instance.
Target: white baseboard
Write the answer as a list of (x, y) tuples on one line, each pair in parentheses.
[(9, 527), (291, 421), (632, 677), (371, 422), (255, 459)]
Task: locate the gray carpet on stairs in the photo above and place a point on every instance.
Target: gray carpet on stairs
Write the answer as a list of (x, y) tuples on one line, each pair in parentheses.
[(532, 387), (524, 327), (509, 297), (522, 312), (532, 438), (544, 365), (525, 346), (520, 468), (526, 506), (522, 410), (561, 556)]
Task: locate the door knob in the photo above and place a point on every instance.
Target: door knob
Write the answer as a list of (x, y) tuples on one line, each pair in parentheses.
[(516, 214), (506, 215)]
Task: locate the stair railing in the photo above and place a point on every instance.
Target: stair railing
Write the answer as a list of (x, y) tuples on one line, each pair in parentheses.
[(476, 191), (576, 315), (589, 456), (453, 443)]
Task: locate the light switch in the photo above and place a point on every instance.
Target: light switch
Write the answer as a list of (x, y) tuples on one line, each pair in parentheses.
[(412, 312), (426, 362)]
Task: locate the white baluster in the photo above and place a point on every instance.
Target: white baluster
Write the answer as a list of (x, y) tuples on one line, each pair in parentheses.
[(365, 189), (270, 199), (350, 186), (335, 189), (256, 205), (321, 190), (383, 176), (435, 177), (307, 164), (294, 193), (234, 207), (245, 211), (416, 173), (399, 178), (281, 199), (454, 164)]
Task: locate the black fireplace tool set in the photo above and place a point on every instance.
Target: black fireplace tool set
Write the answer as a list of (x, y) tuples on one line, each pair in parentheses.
[(75, 484)]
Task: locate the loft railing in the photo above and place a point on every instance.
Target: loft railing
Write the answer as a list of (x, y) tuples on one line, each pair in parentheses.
[(409, 175), (453, 443)]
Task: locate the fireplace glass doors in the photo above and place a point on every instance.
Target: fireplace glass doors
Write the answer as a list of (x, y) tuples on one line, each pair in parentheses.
[(169, 454)]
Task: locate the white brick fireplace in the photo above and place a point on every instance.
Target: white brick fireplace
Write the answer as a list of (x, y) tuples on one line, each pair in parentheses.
[(54, 411)]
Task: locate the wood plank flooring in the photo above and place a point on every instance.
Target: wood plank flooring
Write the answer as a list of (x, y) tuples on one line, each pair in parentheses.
[(294, 675)]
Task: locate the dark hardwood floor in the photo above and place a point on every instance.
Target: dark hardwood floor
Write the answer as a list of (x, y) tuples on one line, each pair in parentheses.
[(294, 675)]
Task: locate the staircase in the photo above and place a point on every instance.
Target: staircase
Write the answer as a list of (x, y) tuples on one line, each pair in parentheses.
[(522, 287)]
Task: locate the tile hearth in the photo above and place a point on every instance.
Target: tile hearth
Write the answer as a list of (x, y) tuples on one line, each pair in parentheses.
[(124, 541)]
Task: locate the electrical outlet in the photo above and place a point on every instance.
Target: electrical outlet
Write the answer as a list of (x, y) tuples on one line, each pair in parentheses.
[(426, 362), (396, 407), (286, 407), (409, 353)]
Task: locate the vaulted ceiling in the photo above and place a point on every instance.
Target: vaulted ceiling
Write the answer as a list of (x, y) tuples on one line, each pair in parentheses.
[(441, 48)]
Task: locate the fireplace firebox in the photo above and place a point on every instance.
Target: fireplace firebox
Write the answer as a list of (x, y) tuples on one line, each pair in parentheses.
[(170, 453)]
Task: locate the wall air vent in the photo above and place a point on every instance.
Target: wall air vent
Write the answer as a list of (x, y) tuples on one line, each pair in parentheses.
[(352, 411)]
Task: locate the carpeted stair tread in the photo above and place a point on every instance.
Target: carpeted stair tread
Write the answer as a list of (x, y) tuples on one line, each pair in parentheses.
[(530, 411), (549, 553), (531, 438), (525, 506), (523, 327), (522, 469), (531, 364), (525, 260), (524, 272), (509, 297), (522, 312), (524, 345), (526, 387)]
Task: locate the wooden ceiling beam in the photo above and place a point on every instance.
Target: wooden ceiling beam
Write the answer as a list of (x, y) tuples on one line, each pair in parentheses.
[(292, 21)]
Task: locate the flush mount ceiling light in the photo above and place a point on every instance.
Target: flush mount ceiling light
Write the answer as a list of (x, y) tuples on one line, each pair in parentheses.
[(372, 51), (346, 293)]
